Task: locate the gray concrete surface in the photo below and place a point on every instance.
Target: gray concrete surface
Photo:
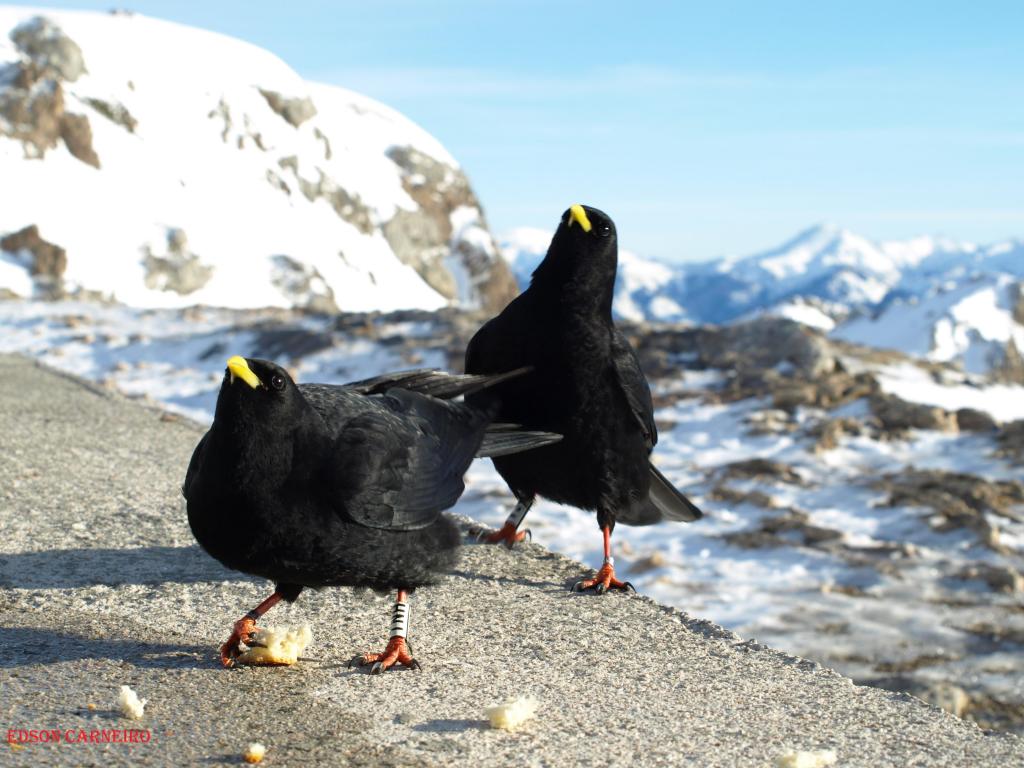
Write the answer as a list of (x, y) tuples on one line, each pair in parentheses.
[(101, 585)]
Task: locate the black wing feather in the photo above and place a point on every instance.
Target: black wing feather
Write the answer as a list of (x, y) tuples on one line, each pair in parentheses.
[(399, 466), (634, 386)]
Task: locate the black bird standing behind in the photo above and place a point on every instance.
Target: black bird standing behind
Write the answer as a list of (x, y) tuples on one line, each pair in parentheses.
[(586, 384), (316, 485)]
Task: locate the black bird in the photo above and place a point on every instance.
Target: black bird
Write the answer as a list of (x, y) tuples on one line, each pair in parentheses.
[(317, 485), (585, 384)]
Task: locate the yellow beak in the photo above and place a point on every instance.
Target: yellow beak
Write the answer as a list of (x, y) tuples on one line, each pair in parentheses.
[(576, 213), (237, 367)]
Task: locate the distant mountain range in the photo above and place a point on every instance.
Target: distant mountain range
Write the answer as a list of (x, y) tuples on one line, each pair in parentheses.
[(932, 297)]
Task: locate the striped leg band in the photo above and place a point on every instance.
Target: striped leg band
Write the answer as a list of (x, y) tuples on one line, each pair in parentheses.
[(516, 516), (400, 621)]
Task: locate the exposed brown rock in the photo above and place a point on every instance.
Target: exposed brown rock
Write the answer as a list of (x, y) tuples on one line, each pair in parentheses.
[(651, 562), (46, 262), (768, 357), (32, 106), (793, 394), (897, 414), (766, 343), (55, 54), (326, 142), (276, 181), (303, 285), (1011, 441), (31, 113), (1017, 302), (294, 110), (348, 206), (830, 431), (420, 239), (77, 135), (971, 420), (114, 112), (781, 530), (761, 469), (223, 111), (770, 422), (423, 239), (958, 500), (1009, 369), (1002, 578), (731, 495), (177, 269)]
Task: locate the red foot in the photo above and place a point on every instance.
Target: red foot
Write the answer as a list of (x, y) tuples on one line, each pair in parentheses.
[(396, 652), (242, 632), (603, 581), (507, 536)]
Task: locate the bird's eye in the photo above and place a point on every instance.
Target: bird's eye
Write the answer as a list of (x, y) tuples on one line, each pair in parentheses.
[(604, 230), (277, 381)]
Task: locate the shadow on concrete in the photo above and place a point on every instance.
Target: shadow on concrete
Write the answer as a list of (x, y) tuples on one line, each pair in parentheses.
[(73, 568), (450, 726), (24, 646)]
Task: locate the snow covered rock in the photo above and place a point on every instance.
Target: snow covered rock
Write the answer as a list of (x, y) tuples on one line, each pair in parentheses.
[(119, 132)]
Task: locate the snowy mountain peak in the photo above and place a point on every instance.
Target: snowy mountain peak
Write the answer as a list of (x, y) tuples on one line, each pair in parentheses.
[(174, 166)]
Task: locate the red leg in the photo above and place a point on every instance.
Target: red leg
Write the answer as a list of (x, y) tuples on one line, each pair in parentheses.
[(605, 578), (244, 629), (397, 650), (510, 533)]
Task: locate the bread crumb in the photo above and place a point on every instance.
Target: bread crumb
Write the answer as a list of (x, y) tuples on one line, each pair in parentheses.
[(131, 705), (277, 647), (254, 753), (512, 714), (798, 758)]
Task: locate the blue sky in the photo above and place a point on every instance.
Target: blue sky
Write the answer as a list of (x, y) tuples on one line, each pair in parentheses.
[(702, 128)]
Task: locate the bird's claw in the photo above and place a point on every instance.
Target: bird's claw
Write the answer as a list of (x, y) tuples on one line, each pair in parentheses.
[(603, 581), (379, 668), (244, 631), (507, 535), (396, 652)]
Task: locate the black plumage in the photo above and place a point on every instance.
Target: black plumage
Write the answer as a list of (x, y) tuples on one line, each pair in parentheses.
[(586, 384), (317, 485)]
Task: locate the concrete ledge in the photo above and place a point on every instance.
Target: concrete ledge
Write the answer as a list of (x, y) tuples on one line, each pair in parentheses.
[(102, 586)]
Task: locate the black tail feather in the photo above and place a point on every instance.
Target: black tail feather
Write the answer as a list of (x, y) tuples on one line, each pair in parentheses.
[(504, 439), (427, 381), (670, 503)]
